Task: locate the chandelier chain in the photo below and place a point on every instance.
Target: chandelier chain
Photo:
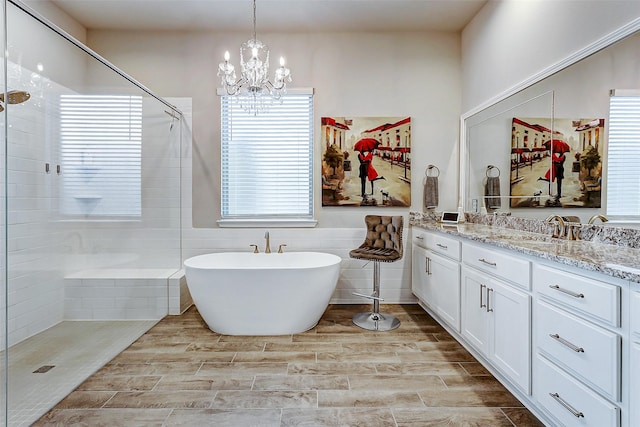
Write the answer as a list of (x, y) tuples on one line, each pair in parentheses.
[(254, 20)]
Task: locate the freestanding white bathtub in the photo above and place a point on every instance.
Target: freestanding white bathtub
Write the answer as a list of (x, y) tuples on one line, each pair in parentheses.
[(243, 293)]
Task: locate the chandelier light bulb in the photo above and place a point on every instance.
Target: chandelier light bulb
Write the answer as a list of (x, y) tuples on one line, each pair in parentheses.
[(282, 61), (226, 56)]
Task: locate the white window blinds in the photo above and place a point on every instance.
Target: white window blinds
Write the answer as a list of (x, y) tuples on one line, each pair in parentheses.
[(623, 168), (101, 155), (267, 160)]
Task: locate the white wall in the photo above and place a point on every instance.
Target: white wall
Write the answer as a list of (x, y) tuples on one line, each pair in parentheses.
[(508, 41), (354, 74)]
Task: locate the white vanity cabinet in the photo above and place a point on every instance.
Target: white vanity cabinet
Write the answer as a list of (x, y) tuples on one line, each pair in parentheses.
[(634, 363), (496, 314), (564, 340), (578, 348), (436, 275)]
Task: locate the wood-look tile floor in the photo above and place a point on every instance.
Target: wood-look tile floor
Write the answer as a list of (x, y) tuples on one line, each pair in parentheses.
[(181, 373)]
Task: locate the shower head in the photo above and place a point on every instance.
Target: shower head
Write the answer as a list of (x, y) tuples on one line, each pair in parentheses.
[(14, 97)]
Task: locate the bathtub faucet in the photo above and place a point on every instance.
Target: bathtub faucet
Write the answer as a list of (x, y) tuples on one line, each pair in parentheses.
[(267, 249)]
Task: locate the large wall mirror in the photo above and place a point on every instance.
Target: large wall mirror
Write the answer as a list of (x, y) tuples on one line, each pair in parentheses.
[(545, 149)]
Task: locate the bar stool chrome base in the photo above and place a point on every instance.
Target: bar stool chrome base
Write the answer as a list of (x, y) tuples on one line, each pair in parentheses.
[(376, 321)]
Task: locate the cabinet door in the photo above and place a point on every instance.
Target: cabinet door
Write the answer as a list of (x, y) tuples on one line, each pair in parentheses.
[(510, 332), (444, 282), (419, 266), (634, 401), (474, 316)]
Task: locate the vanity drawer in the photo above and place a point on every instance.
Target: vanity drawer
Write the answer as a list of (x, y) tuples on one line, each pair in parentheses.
[(592, 297), (569, 401), (444, 245), (419, 237), (590, 352), (514, 269)]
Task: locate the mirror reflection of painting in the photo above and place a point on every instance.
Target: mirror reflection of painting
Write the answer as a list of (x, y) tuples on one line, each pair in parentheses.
[(556, 163), (366, 161)]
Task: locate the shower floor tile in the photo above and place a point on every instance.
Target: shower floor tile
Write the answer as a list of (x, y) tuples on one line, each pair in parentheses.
[(75, 349), (336, 374)]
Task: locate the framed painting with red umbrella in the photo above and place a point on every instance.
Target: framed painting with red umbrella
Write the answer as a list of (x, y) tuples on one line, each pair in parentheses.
[(366, 161), (555, 162)]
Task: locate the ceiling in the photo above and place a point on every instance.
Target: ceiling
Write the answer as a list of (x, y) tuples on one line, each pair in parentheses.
[(273, 15)]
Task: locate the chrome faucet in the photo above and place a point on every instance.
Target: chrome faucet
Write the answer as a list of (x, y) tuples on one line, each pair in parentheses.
[(267, 249), (598, 216), (558, 230)]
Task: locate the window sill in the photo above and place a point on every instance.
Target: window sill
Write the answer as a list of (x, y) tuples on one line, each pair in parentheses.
[(631, 222), (271, 223)]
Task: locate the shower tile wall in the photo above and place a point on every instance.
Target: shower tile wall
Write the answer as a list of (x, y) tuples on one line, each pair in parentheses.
[(35, 285), (43, 250), (153, 240)]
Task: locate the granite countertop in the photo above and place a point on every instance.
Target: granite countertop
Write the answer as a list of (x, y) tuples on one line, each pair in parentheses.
[(616, 261)]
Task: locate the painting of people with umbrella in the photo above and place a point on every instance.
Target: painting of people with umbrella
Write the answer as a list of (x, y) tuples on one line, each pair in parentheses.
[(382, 148), (541, 176), (558, 148), (367, 172)]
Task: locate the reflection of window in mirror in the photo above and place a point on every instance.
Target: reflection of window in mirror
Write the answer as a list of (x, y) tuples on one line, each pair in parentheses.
[(623, 165)]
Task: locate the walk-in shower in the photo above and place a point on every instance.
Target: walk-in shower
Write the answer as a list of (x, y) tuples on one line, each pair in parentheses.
[(90, 212)]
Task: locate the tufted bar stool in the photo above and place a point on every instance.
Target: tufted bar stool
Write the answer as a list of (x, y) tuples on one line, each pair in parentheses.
[(383, 243)]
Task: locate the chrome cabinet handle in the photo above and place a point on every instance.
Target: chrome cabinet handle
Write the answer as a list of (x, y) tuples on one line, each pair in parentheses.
[(427, 265), (567, 343), (489, 309), (441, 246), (481, 288), (568, 407), (492, 264), (566, 291)]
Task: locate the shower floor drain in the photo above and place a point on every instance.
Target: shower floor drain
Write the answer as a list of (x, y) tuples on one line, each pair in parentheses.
[(43, 369)]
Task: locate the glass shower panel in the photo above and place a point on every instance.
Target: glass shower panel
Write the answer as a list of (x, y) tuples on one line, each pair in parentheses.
[(3, 227), (93, 218)]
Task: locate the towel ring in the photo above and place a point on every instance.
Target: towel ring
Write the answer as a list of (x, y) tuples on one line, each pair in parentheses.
[(488, 171), (431, 167)]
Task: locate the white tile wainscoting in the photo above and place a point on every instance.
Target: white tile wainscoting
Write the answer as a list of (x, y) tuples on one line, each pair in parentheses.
[(125, 294), (355, 275)]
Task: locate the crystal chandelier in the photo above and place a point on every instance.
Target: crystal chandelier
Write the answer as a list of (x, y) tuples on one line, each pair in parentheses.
[(253, 90)]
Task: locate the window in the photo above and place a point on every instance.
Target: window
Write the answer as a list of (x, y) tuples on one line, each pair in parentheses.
[(267, 161), (100, 150), (623, 169)]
